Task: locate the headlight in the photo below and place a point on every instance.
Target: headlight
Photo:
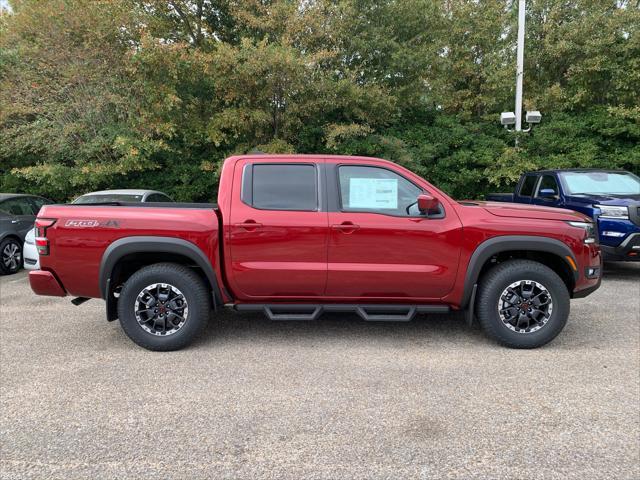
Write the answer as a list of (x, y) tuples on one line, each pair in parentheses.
[(607, 211), (589, 230)]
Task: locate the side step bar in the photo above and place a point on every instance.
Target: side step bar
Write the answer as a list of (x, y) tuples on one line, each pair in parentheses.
[(370, 313)]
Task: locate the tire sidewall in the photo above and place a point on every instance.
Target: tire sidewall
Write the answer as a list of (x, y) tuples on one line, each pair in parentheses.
[(187, 284), (490, 296)]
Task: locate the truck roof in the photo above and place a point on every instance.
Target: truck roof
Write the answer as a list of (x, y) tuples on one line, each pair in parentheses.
[(356, 158)]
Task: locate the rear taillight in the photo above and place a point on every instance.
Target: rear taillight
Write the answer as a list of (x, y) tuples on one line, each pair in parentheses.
[(42, 224), (42, 243)]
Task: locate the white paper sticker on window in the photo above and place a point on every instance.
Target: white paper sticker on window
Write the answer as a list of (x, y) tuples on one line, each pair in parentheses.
[(373, 193)]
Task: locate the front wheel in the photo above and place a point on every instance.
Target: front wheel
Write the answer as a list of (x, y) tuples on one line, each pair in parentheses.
[(522, 304), (164, 306)]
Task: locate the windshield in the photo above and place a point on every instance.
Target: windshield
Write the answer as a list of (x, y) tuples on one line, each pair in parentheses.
[(610, 183), (108, 197)]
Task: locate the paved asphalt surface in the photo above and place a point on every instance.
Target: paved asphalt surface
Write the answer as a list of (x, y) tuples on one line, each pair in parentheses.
[(337, 398)]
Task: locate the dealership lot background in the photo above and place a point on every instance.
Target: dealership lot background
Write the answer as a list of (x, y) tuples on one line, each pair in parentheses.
[(327, 399)]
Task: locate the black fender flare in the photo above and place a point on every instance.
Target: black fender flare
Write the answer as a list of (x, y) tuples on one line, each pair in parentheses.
[(504, 243), (144, 244)]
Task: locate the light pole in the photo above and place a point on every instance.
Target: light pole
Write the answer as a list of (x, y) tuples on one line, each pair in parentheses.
[(522, 8), (511, 118)]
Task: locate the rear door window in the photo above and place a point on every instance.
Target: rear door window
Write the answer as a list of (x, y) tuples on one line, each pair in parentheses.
[(17, 206), (37, 203), (528, 185), (158, 197), (284, 187)]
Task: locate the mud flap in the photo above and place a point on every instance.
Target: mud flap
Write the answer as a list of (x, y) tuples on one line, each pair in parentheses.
[(470, 312)]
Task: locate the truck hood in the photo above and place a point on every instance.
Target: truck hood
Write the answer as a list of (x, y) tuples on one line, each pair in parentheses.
[(605, 199), (518, 210)]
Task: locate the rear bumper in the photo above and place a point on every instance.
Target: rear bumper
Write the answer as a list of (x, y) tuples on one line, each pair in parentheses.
[(45, 283), (31, 257)]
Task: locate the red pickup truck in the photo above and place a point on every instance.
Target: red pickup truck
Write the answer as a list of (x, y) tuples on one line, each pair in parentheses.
[(294, 236)]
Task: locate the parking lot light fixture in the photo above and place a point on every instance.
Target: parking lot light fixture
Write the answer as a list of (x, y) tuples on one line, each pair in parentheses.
[(533, 117), (507, 118), (515, 118)]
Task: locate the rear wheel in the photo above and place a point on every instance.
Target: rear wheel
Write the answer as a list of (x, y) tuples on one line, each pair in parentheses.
[(522, 304), (164, 306), (10, 256)]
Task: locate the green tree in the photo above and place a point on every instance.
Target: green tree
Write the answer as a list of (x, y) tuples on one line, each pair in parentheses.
[(156, 93), (68, 116)]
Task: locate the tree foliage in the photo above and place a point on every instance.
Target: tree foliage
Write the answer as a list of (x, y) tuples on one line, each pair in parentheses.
[(154, 94)]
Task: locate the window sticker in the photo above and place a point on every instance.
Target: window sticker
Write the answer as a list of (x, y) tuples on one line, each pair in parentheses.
[(373, 193)]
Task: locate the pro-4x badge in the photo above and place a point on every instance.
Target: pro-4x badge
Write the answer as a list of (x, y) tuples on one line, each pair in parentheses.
[(92, 224)]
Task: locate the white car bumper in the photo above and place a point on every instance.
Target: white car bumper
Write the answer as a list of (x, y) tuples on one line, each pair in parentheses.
[(30, 252)]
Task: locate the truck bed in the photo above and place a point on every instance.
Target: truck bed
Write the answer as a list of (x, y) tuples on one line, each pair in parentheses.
[(82, 233)]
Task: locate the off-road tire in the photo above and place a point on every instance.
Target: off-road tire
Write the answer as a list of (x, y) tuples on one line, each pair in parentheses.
[(195, 292), (497, 279)]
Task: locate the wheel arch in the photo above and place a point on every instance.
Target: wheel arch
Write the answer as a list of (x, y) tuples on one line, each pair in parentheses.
[(11, 235), (148, 250), (548, 251)]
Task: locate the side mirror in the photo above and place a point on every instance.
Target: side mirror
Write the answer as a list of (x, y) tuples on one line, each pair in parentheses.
[(426, 203), (547, 193)]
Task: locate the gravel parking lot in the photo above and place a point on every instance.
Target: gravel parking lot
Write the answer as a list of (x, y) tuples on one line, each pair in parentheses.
[(337, 398)]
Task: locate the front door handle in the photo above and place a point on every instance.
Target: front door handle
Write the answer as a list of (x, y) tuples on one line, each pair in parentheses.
[(249, 225), (346, 227)]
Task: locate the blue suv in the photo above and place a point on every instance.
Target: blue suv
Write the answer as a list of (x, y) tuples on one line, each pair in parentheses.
[(610, 197)]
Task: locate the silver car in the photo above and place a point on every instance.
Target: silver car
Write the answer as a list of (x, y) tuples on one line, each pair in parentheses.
[(124, 195)]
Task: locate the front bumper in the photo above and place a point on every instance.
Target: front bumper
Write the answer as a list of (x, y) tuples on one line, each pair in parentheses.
[(620, 238), (45, 283), (589, 290), (628, 250), (589, 274)]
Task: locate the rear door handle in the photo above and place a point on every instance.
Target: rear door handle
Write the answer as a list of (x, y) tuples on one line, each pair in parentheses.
[(248, 225), (346, 227)]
